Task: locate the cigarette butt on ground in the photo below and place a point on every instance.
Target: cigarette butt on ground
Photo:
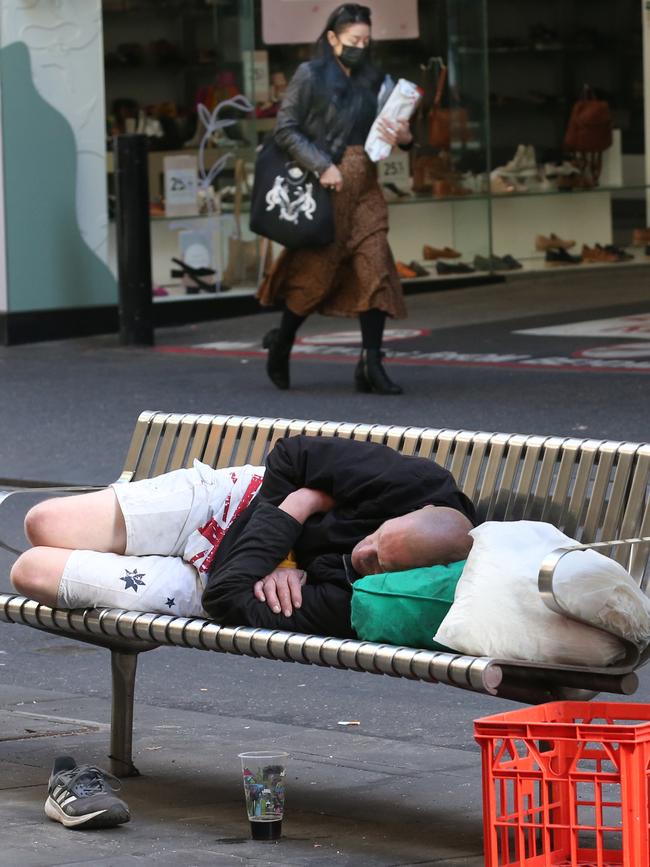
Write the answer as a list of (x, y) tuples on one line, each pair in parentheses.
[(349, 722)]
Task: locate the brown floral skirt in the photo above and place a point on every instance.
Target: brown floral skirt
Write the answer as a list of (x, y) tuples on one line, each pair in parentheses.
[(357, 271)]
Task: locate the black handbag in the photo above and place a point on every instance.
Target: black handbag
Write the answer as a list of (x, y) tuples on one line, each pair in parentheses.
[(288, 204)]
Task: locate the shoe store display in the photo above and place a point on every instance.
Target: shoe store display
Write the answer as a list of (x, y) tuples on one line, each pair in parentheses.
[(195, 280), (435, 253), (598, 254), (457, 268), (522, 165), (82, 796), (623, 255), (443, 189), (640, 237), (512, 263), (560, 169), (420, 271), (496, 263), (395, 191), (404, 271), (542, 243), (501, 185), (560, 257), (486, 263)]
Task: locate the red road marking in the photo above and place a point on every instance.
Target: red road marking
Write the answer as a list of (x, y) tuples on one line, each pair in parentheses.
[(559, 363)]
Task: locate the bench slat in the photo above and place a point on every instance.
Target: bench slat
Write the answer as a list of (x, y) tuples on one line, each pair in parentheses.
[(135, 448)]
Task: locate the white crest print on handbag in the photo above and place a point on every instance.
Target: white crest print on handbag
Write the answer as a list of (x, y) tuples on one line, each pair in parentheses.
[(293, 195), (289, 205)]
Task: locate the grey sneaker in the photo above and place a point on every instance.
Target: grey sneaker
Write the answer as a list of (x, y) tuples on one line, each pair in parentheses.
[(78, 796)]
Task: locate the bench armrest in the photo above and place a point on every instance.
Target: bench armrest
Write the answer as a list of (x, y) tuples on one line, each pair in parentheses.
[(633, 655), (68, 489)]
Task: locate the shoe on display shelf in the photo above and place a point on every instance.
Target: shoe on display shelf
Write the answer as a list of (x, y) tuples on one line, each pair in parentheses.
[(563, 168), (499, 186), (404, 271), (560, 257), (395, 192), (540, 184), (553, 242), (420, 271), (598, 254), (623, 255), (523, 164), (640, 237), (475, 184), (82, 796), (512, 263), (455, 268), (496, 263), (431, 253)]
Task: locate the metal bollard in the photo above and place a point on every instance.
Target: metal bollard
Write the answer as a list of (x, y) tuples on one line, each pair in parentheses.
[(133, 240)]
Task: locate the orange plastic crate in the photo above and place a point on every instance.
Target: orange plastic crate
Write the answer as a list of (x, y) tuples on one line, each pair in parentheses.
[(566, 784)]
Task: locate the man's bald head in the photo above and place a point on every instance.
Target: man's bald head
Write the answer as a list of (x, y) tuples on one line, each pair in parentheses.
[(430, 536)]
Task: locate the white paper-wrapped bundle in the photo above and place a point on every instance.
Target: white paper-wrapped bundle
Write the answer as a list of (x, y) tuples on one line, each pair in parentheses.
[(400, 105)]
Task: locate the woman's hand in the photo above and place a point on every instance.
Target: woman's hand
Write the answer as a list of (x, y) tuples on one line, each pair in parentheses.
[(395, 133), (281, 590), (332, 179)]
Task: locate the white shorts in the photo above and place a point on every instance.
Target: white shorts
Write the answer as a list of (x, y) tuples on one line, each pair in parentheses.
[(163, 569)]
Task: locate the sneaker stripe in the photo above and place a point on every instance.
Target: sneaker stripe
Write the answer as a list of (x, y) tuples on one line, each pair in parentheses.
[(53, 811), (69, 800)]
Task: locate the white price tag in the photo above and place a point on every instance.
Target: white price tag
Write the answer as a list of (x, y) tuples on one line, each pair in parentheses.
[(395, 169), (181, 185)]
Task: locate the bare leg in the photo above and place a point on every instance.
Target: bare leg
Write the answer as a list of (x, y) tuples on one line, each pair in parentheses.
[(37, 573), (86, 521)]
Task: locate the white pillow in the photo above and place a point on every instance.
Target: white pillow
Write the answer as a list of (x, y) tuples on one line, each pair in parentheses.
[(498, 610)]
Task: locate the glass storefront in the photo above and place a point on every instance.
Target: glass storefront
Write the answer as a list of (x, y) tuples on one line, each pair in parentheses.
[(491, 176)]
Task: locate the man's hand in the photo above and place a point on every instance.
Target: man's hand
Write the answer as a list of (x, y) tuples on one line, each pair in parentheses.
[(281, 590), (305, 502)]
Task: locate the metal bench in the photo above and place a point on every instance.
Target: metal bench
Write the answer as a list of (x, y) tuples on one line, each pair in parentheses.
[(595, 491)]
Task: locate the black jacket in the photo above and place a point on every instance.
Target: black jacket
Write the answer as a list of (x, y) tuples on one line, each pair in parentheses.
[(318, 112), (370, 483)]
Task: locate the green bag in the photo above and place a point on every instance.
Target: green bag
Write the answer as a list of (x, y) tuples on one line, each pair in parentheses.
[(405, 608)]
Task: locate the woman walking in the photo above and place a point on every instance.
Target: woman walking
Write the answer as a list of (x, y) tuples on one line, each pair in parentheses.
[(323, 122)]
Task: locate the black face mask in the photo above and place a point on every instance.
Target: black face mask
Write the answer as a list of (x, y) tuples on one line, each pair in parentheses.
[(352, 56)]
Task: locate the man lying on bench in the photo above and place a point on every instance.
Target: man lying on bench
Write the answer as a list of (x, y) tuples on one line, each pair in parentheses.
[(197, 541)]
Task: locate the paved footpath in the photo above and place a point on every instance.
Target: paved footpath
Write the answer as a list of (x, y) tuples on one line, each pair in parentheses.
[(403, 787)]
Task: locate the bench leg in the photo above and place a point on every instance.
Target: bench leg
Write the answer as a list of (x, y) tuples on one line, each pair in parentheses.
[(123, 666)]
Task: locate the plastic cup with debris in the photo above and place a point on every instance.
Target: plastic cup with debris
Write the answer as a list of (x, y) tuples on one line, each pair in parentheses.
[(264, 774)]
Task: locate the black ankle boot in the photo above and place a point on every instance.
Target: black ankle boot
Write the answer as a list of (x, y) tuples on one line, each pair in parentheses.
[(277, 362), (371, 376)]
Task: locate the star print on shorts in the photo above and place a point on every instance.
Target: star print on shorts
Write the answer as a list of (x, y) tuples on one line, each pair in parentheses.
[(133, 580), (170, 602)]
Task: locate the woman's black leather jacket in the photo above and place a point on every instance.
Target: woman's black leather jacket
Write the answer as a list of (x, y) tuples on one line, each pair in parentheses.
[(317, 115)]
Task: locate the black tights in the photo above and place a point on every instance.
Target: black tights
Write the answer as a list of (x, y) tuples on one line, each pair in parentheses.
[(371, 323)]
